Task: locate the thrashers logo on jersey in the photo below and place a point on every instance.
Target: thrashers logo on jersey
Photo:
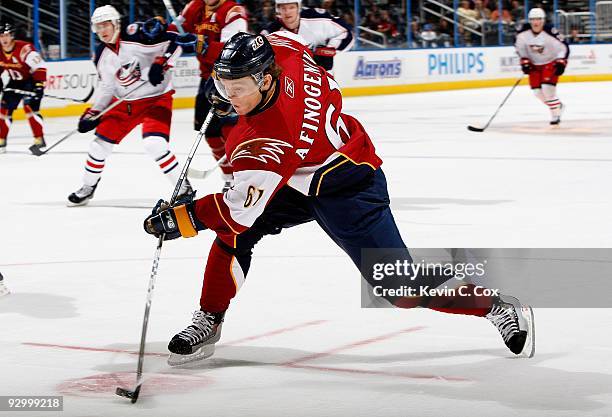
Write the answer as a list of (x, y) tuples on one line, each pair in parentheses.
[(261, 149)]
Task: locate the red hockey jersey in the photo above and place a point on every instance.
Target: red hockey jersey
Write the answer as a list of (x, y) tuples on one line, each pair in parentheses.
[(23, 63), (301, 132), (217, 24)]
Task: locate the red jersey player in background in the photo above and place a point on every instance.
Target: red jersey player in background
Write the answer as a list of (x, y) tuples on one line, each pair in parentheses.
[(26, 71), (298, 158), (209, 24)]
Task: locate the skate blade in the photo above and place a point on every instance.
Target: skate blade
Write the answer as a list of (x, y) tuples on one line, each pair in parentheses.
[(204, 352), (529, 348), (82, 203)]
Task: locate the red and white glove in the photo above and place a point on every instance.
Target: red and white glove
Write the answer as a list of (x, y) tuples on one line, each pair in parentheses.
[(525, 65), (158, 68), (325, 51)]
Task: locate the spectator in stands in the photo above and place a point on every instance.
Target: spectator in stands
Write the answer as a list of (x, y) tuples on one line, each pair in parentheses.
[(387, 27), (482, 11), (574, 37), (429, 37), (445, 33), (415, 31), (263, 16), (505, 16), (467, 18), (517, 11)]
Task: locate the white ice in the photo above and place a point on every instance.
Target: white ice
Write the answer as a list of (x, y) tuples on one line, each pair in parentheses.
[(295, 340)]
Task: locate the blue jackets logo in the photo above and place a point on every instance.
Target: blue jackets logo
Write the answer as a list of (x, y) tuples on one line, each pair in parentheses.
[(367, 70), (452, 63)]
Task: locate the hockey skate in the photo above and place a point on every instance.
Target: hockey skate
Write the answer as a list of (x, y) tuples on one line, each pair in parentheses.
[(556, 120), (39, 143), (3, 289), (82, 196), (515, 323), (2, 145), (198, 340)]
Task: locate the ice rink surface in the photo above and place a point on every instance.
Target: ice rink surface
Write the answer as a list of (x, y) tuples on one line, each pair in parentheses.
[(295, 341)]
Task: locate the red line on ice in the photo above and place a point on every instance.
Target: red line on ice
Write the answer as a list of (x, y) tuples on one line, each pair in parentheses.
[(92, 349), (275, 332), (354, 344), (381, 373)]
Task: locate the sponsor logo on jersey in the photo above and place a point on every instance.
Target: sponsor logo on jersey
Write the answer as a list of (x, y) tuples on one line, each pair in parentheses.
[(289, 87), (129, 73), (452, 63), (261, 149), (368, 70)]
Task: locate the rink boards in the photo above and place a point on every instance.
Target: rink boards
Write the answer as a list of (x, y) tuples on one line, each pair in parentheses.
[(359, 73)]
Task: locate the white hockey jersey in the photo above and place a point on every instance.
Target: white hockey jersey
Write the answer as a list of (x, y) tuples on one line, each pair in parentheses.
[(123, 67), (542, 48), (319, 29)]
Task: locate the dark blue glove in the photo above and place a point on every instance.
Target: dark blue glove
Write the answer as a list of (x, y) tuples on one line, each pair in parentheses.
[(192, 43), (87, 121), (158, 68)]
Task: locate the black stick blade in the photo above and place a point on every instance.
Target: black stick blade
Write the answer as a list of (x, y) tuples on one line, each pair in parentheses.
[(132, 395), (86, 99), (475, 129), (35, 149)]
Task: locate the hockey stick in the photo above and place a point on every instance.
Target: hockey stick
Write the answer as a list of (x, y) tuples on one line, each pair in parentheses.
[(482, 129), (36, 150), (33, 94), (133, 394), (173, 15), (197, 174)]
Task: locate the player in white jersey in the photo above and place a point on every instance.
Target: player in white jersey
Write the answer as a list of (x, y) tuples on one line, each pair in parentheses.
[(125, 60), (324, 34), (543, 53)]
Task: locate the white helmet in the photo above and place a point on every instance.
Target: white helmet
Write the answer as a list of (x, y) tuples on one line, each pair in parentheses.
[(107, 14), (279, 2), (537, 13)]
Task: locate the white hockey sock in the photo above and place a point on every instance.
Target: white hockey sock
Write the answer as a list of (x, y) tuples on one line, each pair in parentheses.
[(99, 150), (552, 101), (538, 93), (159, 149)]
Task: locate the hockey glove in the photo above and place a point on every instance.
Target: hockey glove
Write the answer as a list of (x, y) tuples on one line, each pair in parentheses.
[(324, 56), (560, 65), (158, 68), (192, 43), (172, 222), (220, 106), (87, 121), (526, 65), (154, 27), (39, 90)]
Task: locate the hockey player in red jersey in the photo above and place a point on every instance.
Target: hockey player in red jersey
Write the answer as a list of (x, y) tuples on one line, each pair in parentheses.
[(122, 60), (298, 158), (27, 71), (209, 24), (543, 53)]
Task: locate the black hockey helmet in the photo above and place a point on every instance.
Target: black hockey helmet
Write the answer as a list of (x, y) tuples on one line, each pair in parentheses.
[(243, 55), (7, 28)]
